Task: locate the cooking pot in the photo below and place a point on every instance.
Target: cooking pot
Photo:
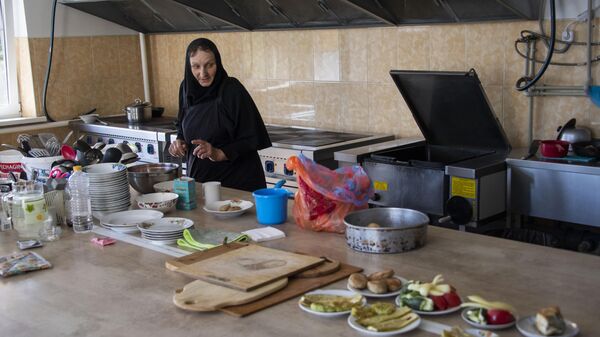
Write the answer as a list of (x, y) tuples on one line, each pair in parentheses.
[(554, 148), (572, 134), (396, 230), (138, 111)]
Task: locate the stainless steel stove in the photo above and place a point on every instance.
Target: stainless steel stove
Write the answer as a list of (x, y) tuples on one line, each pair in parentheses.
[(318, 145), (151, 138)]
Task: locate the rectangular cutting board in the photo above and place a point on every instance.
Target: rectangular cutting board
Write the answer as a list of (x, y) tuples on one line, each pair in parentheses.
[(294, 288), (249, 267)]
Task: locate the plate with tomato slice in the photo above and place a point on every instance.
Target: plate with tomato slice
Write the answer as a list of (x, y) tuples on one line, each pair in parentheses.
[(490, 319), (442, 305)]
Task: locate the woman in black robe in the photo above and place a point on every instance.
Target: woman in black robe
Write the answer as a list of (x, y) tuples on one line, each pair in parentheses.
[(219, 128)]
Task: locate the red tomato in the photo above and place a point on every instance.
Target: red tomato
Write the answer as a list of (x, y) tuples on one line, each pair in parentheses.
[(498, 316), (452, 299), (439, 303)]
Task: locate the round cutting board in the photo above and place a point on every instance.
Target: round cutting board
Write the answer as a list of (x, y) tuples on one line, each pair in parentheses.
[(326, 268), (203, 296)]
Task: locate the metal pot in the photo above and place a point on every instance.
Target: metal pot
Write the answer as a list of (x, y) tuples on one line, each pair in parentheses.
[(401, 229), (138, 111), (572, 134)]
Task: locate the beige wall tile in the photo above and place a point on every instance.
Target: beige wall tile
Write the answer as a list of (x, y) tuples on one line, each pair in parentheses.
[(382, 54), (257, 56), (277, 107), (384, 108), (302, 42), (300, 103), (355, 112), (327, 55), (552, 112), (258, 91), (353, 54), (516, 118), (105, 57), (484, 53), (278, 55), (414, 48), (328, 104), (78, 52), (494, 94), (448, 50)]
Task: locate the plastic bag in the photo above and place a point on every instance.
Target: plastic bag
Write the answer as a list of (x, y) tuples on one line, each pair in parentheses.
[(325, 196)]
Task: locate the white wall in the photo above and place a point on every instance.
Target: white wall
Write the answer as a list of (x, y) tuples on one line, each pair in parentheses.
[(32, 19)]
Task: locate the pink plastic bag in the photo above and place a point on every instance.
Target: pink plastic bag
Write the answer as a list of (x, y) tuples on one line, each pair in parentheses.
[(325, 196)]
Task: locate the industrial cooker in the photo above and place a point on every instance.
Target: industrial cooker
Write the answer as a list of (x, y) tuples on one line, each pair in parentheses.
[(459, 169)]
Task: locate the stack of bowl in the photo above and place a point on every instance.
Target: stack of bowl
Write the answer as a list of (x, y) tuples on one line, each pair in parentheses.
[(109, 188)]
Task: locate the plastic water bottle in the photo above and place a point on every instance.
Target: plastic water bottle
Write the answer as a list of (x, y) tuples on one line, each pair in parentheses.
[(81, 205)]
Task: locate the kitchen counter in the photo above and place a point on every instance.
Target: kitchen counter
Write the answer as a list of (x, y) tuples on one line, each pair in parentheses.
[(125, 290)]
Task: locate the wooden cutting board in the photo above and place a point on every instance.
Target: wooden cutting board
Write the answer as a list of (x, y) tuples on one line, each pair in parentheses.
[(294, 288), (250, 267), (204, 296)]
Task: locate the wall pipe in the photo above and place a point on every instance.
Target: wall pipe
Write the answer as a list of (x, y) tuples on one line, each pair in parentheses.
[(144, 67)]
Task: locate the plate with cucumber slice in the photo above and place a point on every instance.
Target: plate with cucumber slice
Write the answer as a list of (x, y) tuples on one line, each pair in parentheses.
[(400, 321), (331, 302)]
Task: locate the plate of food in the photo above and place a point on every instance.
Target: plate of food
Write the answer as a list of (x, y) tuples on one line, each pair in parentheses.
[(383, 319), (547, 322), (458, 332), (330, 302), (489, 315), (379, 284), (429, 298), (228, 208)]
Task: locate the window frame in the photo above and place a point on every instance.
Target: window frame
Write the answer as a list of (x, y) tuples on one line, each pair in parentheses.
[(13, 108)]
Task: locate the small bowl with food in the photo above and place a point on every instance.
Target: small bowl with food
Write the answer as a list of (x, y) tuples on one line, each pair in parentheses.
[(228, 208), (161, 201)]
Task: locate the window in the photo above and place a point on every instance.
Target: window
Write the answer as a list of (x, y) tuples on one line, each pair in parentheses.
[(9, 94)]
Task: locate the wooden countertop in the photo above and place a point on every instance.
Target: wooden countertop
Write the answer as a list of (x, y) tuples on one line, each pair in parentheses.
[(125, 290)]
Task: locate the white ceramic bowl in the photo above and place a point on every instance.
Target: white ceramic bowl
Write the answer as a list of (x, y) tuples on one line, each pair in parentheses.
[(91, 118), (164, 186), (161, 201)]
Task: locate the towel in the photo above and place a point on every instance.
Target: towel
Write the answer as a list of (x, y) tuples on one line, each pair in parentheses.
[(21, 262), (202, 239), (264, 234)]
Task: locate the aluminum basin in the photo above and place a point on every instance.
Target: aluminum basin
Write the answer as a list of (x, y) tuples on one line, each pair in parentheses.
[(402, 229)]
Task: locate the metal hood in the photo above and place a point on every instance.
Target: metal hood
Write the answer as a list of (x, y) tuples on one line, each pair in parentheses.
[(158, 16)]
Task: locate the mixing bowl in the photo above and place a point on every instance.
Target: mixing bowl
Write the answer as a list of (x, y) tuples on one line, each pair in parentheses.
[(143, 177)]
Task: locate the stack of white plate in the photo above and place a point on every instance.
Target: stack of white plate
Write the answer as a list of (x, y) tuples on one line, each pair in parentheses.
[(127, 221), (164, 231), (109, 187)]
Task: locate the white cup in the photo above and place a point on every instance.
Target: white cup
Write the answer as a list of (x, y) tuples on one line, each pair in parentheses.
[(212, 192)]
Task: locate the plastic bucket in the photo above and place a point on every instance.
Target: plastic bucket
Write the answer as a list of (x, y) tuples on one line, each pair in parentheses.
[(41, 165), (10, 161), (271, 205)]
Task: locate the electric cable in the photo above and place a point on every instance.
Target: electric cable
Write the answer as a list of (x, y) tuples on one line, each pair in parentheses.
[(49, 67), (525, 83)]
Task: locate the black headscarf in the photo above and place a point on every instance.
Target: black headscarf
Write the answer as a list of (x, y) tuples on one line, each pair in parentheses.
[(192, 92)]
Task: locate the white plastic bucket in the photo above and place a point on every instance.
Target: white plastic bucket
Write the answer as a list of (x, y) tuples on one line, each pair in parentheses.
[(41, 165), (10, 161)]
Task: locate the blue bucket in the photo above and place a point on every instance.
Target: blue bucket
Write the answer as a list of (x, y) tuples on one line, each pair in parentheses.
[(271, 205)]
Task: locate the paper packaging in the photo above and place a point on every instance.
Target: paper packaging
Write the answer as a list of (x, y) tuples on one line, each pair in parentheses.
[(185, 187)]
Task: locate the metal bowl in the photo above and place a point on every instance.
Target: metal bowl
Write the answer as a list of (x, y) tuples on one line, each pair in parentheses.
[(401, 229), (143, 177)]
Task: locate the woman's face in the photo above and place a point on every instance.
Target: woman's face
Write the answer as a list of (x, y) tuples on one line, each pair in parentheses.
[(204, 67)]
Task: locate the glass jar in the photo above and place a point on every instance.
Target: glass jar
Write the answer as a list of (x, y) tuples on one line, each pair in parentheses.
[(26, 208)]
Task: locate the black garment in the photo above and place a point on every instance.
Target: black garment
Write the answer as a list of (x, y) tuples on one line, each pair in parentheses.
[(224, 115)]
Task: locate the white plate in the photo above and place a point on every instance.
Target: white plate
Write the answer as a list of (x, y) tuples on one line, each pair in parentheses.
[(368, 293), (162, 237), (213, 208), (354, 325), (105, 169), (126, 230), (486, 326), (165, 225), (337, 292), (162, 242), (526, 326), (129, 218), (429, 313)]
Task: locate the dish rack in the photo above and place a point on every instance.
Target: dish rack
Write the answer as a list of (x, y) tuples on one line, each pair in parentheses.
[(55, 199)]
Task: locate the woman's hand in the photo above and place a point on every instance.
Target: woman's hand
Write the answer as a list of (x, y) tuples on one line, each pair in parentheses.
[(205, 150), (178, 148)]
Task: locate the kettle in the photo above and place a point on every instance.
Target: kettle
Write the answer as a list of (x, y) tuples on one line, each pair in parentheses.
[(572, 134)]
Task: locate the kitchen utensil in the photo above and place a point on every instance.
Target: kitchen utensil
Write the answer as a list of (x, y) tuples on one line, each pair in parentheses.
[(53, 146), (164, 202), (572, 134), (527, 328), (99, 145), (36, 142), (295, 287), (26, 207), (138, 112), (112, 155), (128, 158), (554, 148), (203, 296), (143, 177), (400, 230), (271, 205), (67, 137), (214, 208), (124, 148), (326, 268), (211, 191), (533, 148), (82, 146), (39, 153), (157, 111), (165, 186), (587, 149), (59, 172), (12, 147), (250, 267), (93, 156), (23, 138)]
